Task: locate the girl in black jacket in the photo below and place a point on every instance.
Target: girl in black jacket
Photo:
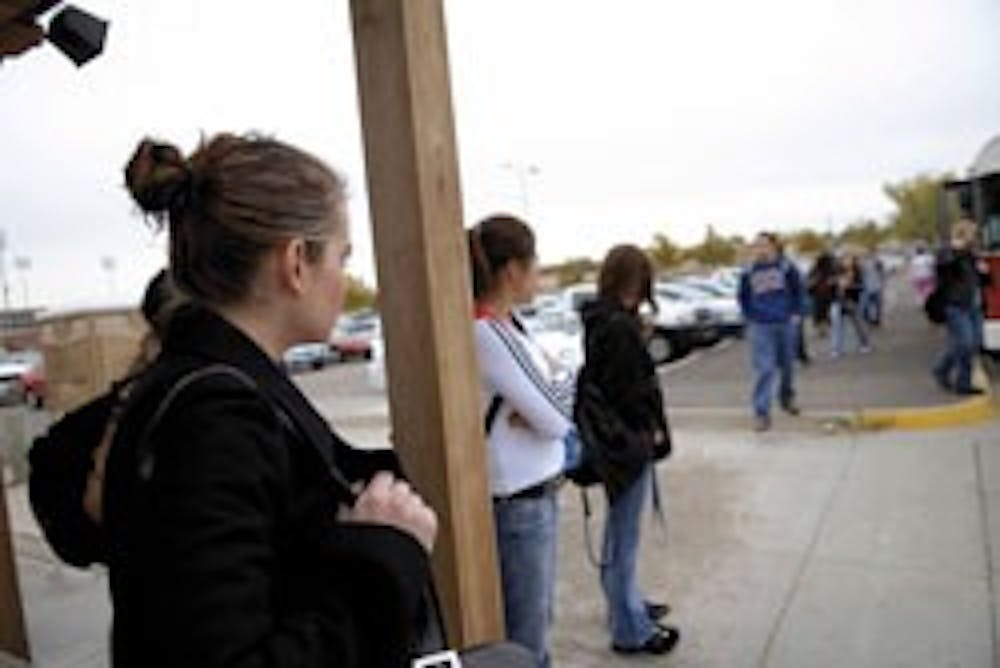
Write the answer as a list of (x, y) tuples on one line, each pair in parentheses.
[(619, 365), (241, 531)]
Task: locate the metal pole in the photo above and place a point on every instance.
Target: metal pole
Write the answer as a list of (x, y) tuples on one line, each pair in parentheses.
[(3, 269)]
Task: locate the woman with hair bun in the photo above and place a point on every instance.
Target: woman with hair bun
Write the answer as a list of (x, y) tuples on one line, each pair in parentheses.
[(241, 531)]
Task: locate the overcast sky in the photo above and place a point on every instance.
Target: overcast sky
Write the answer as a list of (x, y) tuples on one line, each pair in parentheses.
[(602, 121)]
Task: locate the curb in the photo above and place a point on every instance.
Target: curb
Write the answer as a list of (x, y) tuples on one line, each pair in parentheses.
[(968, 411)]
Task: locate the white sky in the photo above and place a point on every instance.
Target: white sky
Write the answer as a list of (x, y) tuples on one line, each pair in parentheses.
[(641, 116)]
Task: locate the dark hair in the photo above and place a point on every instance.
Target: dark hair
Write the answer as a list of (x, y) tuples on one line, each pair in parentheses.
[(493, 244), (228, 203), (626, 268), (160, 301), (772, 239)]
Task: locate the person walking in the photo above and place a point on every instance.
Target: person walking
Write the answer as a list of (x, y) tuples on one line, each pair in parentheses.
[(240, 529), (770, 296), (847, 307), (619, 365), (822, 288), (922, 273), (960, 276), (528, 414), (872, 289)]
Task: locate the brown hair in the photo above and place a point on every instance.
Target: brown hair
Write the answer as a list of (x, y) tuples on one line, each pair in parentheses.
[(493, 244), (228, 203), (626, 268)]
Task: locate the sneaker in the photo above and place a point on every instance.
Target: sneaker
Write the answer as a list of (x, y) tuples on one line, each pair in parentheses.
[(761, 423), (970, 392), (661, 642), (865, 350), (943, 382)]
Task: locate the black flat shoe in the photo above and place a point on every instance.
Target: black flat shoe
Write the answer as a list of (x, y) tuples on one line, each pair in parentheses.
[(661, 642), (791, 408), (657, 611)]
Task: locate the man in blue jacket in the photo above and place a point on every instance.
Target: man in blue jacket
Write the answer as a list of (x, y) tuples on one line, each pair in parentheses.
[(771, 299)]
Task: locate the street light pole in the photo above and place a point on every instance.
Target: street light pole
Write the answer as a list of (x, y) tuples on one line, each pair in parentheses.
[(108, 264), (23, 265), (521, 173), (3, 270)]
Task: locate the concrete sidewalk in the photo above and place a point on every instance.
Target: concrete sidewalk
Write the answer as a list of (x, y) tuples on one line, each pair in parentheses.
[(871, 550), (782, 550)]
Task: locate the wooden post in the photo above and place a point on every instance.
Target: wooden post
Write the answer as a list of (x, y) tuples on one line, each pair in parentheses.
[(413, 186), (13, 639)]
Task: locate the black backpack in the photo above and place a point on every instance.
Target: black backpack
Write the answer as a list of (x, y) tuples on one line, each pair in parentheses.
[(935, 306), (60, 461), (612, 453)]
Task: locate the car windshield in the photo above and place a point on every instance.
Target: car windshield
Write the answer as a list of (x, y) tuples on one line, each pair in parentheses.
[(549, 321), (673, 293), (709, 289), (358, 326)]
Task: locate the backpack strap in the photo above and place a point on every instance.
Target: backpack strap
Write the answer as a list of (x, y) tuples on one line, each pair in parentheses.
[(492, 412)]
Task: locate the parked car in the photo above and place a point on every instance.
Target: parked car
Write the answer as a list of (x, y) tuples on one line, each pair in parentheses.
[(10, 383), (560, 334), (305, 356), (22, 378), (717, 297), (679, 325), (353, 336), (574, 297)]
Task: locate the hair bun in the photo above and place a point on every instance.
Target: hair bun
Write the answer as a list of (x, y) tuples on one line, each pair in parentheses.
[(156, 175)]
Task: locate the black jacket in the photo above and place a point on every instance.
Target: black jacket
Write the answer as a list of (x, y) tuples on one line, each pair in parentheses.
[(959, 277), (230, 554), (618, 362)]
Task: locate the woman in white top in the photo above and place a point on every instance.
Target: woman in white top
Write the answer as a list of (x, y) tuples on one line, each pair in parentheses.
[(528, 414)]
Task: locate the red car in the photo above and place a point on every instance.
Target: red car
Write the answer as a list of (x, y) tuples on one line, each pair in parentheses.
[(33, 387), (352, 338)]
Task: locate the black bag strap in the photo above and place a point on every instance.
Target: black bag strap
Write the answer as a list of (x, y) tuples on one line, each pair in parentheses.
[(587, 536), (145, 451), (492, 412), (588, 512)]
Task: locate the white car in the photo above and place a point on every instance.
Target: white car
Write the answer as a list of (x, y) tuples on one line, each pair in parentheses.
[(679, 325), (560, 334), (11, 392), (306, 356), (718, 298)]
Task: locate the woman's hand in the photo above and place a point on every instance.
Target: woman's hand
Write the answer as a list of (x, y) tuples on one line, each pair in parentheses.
[(391, 502)]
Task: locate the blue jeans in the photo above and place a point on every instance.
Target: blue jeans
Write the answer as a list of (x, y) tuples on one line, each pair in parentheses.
[(772, 352), (838, 313), (526, 540), (630, 623), (958, 352), (871, 306)]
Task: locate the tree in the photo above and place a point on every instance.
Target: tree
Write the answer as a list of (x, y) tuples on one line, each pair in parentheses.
[(808, 242), (574, 270), (917, 207), (866, 234), (664, 253), (714, 251), (359, 295)]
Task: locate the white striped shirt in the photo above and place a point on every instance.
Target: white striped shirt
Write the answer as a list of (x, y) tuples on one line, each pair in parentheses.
[(514, 368)]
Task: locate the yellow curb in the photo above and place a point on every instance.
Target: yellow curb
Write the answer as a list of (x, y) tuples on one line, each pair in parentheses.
[(968, 411)]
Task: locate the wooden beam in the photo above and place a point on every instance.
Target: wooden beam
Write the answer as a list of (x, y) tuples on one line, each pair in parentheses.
[(413, 185), (13, 639)]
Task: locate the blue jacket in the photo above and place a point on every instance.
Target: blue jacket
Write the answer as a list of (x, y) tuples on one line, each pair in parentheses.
[(771, 292)]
